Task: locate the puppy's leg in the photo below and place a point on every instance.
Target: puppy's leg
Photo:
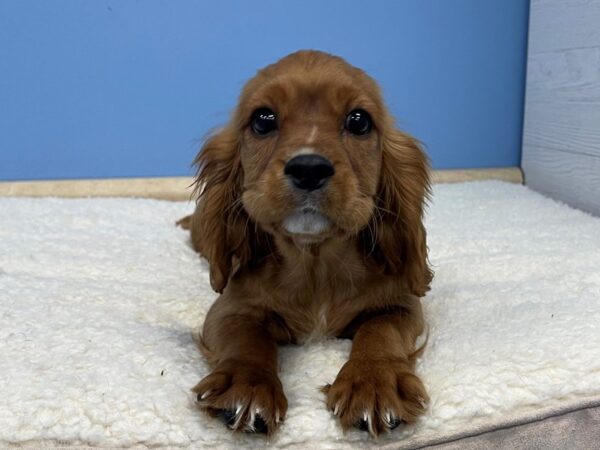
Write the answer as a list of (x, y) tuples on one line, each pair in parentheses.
[(185, 222), (243, 388), (196, 233), (377, 389)]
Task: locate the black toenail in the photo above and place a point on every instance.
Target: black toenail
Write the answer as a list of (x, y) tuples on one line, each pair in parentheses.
[(260, 426), (394, 423), (361, 424), (227, 416)]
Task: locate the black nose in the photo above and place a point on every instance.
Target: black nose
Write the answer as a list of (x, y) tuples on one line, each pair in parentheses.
[(309, 172)]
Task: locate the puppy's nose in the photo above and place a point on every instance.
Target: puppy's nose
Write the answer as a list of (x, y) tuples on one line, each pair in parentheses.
[(309, 172)]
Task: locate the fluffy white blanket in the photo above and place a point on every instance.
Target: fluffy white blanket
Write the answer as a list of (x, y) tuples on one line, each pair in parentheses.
[(99, 299)]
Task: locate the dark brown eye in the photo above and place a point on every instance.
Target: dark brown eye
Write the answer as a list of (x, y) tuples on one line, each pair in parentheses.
[(263, 121), (358, 122)]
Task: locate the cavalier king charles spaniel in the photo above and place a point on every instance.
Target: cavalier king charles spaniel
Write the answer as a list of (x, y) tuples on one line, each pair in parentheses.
[(310, 213)]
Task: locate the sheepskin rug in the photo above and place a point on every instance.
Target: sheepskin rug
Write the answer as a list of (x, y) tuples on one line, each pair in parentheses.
[(99, 299)]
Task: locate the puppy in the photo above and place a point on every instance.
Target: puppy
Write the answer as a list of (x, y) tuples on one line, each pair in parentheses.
[(310, 214)]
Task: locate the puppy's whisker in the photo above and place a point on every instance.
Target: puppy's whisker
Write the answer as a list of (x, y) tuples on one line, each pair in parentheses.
[(380, 208), (233, 204), (373, 235)]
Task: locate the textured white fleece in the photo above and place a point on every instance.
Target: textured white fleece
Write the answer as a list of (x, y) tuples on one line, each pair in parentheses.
[(99, 298)]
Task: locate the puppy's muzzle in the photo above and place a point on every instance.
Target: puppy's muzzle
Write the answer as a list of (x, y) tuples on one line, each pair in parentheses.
[(309, 172)]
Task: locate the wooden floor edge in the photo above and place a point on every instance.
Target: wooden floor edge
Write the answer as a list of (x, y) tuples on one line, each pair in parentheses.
[(508, 174), (179, 188)]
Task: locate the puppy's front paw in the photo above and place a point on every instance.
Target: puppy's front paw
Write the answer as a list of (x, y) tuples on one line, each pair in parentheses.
[(376, 395), (245, 398)]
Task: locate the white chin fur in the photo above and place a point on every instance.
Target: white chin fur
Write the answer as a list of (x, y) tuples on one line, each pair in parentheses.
[(306, 222)]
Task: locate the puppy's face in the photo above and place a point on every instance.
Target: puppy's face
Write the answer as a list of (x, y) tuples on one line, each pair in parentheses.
[(310, 155), (310, 129)]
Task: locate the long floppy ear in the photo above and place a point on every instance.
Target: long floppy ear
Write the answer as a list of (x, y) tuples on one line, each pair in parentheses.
[(221, 230), (396, 235)]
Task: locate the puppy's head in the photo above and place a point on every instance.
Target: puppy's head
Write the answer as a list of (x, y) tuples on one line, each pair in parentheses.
[(311, 154)]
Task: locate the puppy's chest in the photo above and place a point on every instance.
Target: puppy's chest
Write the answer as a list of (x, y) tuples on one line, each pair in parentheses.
[(317, 317), (320, 300), (320, 325)]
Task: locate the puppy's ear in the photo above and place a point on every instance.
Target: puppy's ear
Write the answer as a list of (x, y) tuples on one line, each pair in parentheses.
[(221, 230), (396, 237)]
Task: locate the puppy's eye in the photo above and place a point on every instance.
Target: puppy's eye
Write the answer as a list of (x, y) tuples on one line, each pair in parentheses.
[(358, 122), (263, 121)]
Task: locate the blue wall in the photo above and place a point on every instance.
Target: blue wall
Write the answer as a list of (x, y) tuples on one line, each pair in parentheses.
[(129, 88)]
